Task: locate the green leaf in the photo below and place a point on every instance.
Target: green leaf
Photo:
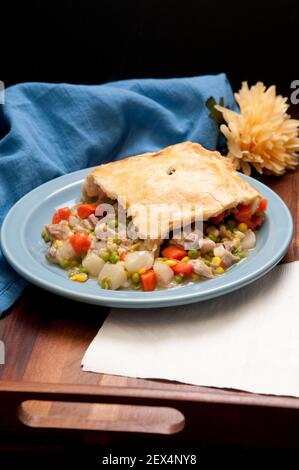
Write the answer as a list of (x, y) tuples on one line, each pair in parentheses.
[(215, 115)]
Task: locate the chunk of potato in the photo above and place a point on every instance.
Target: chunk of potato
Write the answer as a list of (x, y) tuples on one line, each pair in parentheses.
[(115, 274), (164, 273), (93, 263), (139, 260)]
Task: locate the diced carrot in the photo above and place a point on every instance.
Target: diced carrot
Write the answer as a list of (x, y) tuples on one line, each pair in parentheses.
[(61, 214), (122, 256), (174, 252), (85, 210), (80, 242), (56, 218), (184, 269), (262, 205), (249, 224), (216, 220), (256, 221), (149, 280), (243, 213)]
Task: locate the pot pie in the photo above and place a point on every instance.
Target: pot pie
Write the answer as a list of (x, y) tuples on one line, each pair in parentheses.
[(157, 220)]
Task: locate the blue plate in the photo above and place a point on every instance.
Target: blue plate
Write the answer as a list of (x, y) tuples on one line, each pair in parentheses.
[(24, 249)]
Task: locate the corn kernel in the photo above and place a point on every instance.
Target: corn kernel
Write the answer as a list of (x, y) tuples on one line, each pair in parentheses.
[(161, 259), (185, 259), (142, 271), (57, 243), (82, 277), (170, 262), (219, 270), (242, 227), (216, 260)]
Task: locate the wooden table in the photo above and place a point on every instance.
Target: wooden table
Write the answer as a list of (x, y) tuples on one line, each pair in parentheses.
[(45, 338)]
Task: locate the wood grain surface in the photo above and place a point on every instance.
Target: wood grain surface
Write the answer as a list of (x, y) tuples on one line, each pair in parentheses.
[(46, 336)]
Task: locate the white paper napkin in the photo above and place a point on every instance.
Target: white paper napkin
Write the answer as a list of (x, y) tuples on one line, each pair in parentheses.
[(246, 340)]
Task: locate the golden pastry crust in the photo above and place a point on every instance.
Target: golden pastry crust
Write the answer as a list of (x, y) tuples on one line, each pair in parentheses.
[(181, 174)]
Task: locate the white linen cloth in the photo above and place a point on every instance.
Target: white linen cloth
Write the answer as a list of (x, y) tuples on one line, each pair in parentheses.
[(247, 340)]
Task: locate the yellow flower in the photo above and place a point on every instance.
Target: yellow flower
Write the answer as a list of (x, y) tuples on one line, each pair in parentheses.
[(263, 134)]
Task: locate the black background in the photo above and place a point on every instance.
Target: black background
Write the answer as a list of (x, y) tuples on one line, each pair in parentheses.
[(99, 41)]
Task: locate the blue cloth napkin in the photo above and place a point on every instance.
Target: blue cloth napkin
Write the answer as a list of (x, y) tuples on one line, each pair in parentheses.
[(47, 130)]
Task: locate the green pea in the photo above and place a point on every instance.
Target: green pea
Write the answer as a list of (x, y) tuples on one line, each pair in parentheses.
[(106, 283), (136, 287), (179, 279), (212, 237), (46, 237), (117, 241), (105, 256), (83, 270), (241, 254), (207, 262), (230, 224), (64, 264), (113, 258), (193, 253), (135, 278)]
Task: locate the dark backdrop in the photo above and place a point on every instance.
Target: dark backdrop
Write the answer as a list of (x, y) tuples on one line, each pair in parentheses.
[(94, 42)]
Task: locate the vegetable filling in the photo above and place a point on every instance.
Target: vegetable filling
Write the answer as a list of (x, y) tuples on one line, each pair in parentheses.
[(76, 243)]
